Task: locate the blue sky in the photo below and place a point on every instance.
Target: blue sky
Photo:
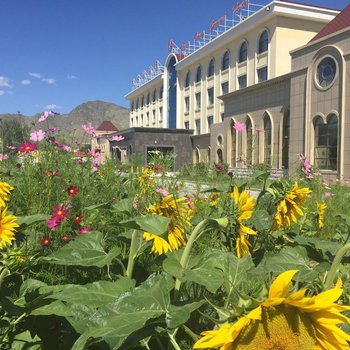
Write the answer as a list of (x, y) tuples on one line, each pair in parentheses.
[(56, 54)]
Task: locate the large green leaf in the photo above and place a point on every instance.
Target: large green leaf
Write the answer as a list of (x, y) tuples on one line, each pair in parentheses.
[(85, 250), (93, 294), (206, 270), (32, 219), (129, 313), (155, 224), (178, 315)]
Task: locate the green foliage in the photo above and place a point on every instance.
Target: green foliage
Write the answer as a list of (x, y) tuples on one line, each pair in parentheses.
[(12, 132)]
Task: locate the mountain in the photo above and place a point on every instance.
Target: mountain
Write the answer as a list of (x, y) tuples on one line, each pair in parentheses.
[(70, 124)]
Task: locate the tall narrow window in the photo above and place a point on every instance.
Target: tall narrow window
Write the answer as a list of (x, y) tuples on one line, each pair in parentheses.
[(262, 74), (198, 100), (187, 104), (198, 126), (326, 143), (142, 101), (249, 141), (242, 81), (148, 98), (225, 61), (263, 42), (211, 68), (243, 52), (224, 87), (154, 95), (267, 139), (187, 125), (210, 120), (210, 96), (199, 74), (137, 103), (187, 80), (161, 93), (160, 114), (285, 141)]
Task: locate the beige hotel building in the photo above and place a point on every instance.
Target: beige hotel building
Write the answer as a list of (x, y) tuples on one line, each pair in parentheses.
[(282, 70)]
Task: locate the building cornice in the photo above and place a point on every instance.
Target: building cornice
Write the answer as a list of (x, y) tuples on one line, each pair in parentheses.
[(257, 86), (145, 87), (270, 11)]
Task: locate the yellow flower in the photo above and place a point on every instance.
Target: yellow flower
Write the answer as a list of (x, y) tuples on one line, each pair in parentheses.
[(244, 207), (321, 207), (145, 181), (5, 189), (285, 321), (180, 214), (214, 198), (7, 228), (290, 207)]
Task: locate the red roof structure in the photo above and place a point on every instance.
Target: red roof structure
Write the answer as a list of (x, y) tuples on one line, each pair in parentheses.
[(107, 126), (341, 21)]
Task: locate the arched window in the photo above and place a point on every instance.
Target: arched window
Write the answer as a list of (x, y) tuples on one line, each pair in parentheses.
[(263, 42), (326, 143), (148, 97), (243, 52), (267, 139), (199, 74), (249, 141), (154, 95), (187, 79), (132, 106), (220, 156), (211, 68), (225, 61)]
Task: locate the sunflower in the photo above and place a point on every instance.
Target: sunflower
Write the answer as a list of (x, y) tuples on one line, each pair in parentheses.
[(290, 207), (5, 189), (7, 228), (321, 207), (180, 214), (244, 205), (285, 321)]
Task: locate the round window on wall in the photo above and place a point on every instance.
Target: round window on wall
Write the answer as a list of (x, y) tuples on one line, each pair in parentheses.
[(326, 71)]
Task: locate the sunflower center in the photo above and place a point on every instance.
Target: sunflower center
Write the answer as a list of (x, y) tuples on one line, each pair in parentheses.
[(281, 328)]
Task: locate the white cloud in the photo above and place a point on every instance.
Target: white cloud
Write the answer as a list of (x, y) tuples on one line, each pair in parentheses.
[(5, 82), (2, 92), (72, 77), (25, 82), (52, 106), (36, 75), (50, 81)]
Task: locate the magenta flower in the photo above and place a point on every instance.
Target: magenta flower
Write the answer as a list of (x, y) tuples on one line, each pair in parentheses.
[(189, 202), (84, 229), (60, 212), (44, 116), (72, 191), (239, 127), (88, 128), (116, 138), (45, 241), (27, 147), (37, 136), (53, 224)]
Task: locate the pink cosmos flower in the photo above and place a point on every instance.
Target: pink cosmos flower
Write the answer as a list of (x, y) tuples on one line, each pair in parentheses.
[(27, 147), (12, 147), (189, 202), (84, 229), (53, 224), (44, 116), (162, 191), (3, 157), (327, 194), (239, 127), (79, 160), (66, 148), (53, 129), (116, 138), (88, 128), (134, 203), (37, 135)]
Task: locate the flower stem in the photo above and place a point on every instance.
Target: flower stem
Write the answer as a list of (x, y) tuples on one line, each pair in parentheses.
[(335, 265), (132, 254)]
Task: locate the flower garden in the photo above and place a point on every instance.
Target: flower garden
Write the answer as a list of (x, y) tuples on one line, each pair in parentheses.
[(108, 257)]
